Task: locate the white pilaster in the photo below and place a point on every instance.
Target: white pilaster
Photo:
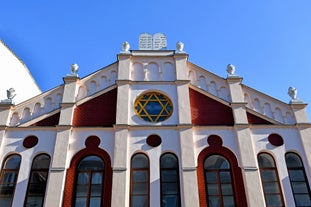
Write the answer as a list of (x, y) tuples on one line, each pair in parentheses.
[(248, 158), (59, 164), (120, 171)]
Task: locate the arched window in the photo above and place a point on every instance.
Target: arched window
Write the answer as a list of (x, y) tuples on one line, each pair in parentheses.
[(37, 181), (270, 180), (170, 191), (8, 178), (139, 196), (89, 178), (90, 182), (298, 180), (218, 181)]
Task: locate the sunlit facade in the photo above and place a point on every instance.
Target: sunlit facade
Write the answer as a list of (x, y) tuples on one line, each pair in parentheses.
[(154, 130)]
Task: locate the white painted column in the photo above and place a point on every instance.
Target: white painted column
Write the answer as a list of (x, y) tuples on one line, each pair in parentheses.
[(120, 169), (120, 166), (248, 157), (57, 176), (189, 188)]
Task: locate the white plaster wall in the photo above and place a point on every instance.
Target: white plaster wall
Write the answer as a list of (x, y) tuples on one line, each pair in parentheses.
[(292, 143), (14, 74), (78, 137), (170, 143), (13, 144)]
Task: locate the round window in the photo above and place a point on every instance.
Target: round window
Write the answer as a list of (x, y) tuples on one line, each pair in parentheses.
[(153, 107)]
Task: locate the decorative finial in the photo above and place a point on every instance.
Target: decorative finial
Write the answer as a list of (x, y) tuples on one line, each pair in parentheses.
[(125, 47), (180, 47), (74, 70), (230, 69), (10, 93), (292, 92)]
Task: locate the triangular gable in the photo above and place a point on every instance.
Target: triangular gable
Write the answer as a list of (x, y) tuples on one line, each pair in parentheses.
[(99, 111), (206, 111), (253, 119), (49, 121)]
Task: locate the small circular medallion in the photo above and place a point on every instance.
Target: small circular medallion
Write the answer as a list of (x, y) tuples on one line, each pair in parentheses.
[(154, 140), (30, 141)]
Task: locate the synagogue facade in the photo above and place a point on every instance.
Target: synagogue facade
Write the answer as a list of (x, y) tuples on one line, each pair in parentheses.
[(153, 129)]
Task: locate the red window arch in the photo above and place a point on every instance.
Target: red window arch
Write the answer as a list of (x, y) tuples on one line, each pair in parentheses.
[(73, 172), (216, 148)]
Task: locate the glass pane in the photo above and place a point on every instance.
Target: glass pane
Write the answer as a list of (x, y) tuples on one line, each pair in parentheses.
[(140, 161), (225, 177), (91, 163), (212, 189), (226, 189), (34, 201), (293, 161), (169, 176), (140, 176), (38, 177), (169, 188), (80, 202), (216, 162), (169, 161), (296, 175), (299, 187), (273, 200), (97, 178), (83, 178), (170, 201), (41, 162), (268, 175), (213, 201), (82, 190), (7, 189), (139, 201), (271, 187), (211, 177), (140, 188), (302, 200), (36, 189), (95, 202), (5, 201), (8, 177), (96, 190), (12, 162), (228, 201), (265, 161)]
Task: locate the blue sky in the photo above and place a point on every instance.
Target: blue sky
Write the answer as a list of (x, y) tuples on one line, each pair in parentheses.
[(268, 41)]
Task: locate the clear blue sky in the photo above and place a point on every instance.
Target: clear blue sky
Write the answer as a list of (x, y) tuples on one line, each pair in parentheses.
[(269, 41)]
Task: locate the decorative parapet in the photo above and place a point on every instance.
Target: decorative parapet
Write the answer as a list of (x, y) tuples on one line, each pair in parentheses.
[(37, 106), (209, 82), (268, 106)]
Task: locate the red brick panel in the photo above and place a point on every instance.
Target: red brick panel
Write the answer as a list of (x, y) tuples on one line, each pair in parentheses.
[(252, 119), (206, 111), (100, 111), (49, 121)]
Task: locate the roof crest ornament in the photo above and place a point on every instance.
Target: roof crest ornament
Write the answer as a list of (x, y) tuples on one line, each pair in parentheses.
[(292, 92), (152, 42), (11, 93)]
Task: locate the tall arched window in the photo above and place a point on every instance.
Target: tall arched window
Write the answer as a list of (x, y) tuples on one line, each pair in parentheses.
[(270, 180), (218, 181), (298, 180), (8, 178), (170, 191), (139, 181), (90, 182), (37, 181)]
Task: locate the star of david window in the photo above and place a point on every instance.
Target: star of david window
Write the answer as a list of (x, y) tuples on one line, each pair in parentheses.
[(153, 107)]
